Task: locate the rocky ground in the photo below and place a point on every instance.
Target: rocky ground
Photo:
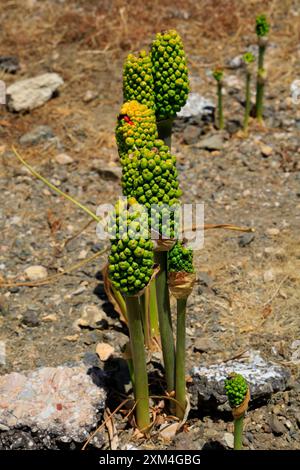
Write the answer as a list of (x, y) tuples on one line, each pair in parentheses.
[(247, 294)]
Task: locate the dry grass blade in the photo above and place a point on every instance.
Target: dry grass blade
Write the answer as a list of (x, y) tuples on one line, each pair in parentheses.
[(111, 429)]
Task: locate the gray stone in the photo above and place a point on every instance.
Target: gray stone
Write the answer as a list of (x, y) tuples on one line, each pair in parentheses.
[(107, 172), (196, 105), (236, 62), (213, 142), (37, 135), (263, 377), (246, 239), (60, 401), (31, 93), (191, 134), (30, 319), (277, 426), (9, 64), (205, 345)]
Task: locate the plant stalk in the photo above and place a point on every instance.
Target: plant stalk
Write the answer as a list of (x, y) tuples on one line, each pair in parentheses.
[(220, 104), (180, 394), (144, 301), (165, 320), (141, 390), (154, 325), (248, 101), (260, 85), (165, 131), (238, 432)]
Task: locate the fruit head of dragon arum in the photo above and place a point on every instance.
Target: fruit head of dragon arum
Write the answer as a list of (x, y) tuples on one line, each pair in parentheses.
[(131, 258), (262, 26), (170, 73), (181, 259), (138, 81), (136, 127), (236, 389)]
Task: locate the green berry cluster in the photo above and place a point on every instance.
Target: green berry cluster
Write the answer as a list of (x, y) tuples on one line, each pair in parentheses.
[(156, 185), (136, 127), (129, 162), (248, 58), (218, 74), (170, 73), (236, 389), (181, 259), (138, 81), (131, 257), (262, 26)]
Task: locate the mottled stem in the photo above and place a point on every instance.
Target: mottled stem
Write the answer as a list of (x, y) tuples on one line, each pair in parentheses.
[(238, 433), (180, 394), (248, 101), (141, 390), (260, 85), (220, 104), (165, 320)]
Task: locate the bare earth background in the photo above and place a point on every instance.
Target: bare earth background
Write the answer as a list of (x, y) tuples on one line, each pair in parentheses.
[(248, 291)]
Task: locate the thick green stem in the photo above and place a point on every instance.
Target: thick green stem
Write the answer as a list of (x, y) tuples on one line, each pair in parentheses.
[(141, 390), (165, 320), (165, 131), (144, 301), (154, 326), (220, 105), (260, 85), (238, 433), (180, 394), (248, 101)]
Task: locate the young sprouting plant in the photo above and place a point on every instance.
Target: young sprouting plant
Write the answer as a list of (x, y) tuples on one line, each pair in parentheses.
[(238, 393), (248, 58), (262, 28), (181, 280), (218, 76)]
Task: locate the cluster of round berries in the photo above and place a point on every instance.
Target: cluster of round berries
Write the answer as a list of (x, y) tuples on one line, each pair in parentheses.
[(170, 74), (138, 79), (136, 127), (236, 389), (181, 259), (131, 257), (262, 26)]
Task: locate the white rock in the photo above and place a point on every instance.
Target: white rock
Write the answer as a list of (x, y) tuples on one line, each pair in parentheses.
[(263, 377), (62, 401), (31, 93), (64, 159), (229, 439), (273, 231), (196, 105), (266, 150), (104, 351), (91, 317), (269, 275), (35, 273)]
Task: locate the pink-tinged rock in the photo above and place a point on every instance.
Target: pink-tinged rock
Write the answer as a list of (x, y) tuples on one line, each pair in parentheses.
[(61, 401)]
